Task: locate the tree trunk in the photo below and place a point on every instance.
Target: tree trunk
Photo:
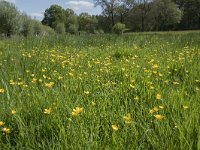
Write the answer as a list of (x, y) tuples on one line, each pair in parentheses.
[(121, 17), (112, 18)]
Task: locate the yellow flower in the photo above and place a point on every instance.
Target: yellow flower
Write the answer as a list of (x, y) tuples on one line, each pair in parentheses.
[(185, 107), (34, 80), (115, 127), (12, 82), (197, 89), (155, 109), (77, 111), (161, 107), (2, 90), (155, 66), (132, 86), (93, 104), (87, 92), (158, 96), (136, 98), (127, 118), (47, 111), (71, 74), (6, 130), (13, 112), (2, 123), (159, 117), (49, 85), (175, 83)]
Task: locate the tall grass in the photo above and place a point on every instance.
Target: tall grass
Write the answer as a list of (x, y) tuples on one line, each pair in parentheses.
[(136, 91)]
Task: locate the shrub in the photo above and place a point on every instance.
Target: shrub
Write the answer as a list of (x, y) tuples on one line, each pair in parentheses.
[(60, 28), (119, 28), (73, 29)]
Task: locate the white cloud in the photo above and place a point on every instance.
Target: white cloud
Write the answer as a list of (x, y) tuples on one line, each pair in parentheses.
[(11, 1), (77, 5)]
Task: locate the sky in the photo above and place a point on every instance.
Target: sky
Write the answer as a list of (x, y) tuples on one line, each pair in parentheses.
[(36, 8)]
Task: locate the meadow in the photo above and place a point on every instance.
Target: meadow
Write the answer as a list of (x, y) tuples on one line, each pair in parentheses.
[(134, 91)]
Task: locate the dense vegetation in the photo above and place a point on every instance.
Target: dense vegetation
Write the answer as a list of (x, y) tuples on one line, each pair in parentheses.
[(137, 91), (117, 16)]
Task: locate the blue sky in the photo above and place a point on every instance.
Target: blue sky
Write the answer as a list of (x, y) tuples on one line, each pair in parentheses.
[(36, 8)]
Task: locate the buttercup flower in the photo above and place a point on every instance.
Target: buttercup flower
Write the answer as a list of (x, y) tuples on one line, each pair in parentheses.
[(115, 127), (77, 111)]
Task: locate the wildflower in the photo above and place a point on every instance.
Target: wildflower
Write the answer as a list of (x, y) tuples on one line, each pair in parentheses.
[(197, 81), (44, 76), (2, 90), (127, 118), (159, 117), (160, 74), (2, 123), (93, 104), (155, 66), (136, 98), (60, 78), (87, 92), (77, 111), (34, 80), (151, 87), (115, 127), (175, 83), (197, 89), (185, 107), (6, 130), (155, 109), (71, 74), (47, 111), (132, 86), (161, 107), (158, 96), (12, 82), (13, 112), (49, 85)]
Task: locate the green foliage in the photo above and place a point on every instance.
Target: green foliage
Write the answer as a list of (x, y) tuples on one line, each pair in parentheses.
[(165, 13), (73, 29), (87, 23), (119, 28), (27, 26), (53, 16), (60, 28), (115, 79), (9, 18)]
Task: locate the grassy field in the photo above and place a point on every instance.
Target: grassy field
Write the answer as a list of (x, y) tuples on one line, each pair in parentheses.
[(135, 91)]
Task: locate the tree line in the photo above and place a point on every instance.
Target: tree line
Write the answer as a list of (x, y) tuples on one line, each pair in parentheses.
[(117, 16), (13, 22)]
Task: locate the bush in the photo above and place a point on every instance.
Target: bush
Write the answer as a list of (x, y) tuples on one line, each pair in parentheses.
[(60, 28), (119, 28), (73, 29)]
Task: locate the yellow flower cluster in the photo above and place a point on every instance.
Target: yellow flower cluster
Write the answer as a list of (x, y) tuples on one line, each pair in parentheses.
[(77, 111)]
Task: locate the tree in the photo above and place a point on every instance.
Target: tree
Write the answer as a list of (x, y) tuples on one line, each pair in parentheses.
[(60, 28), (9, 18), (123, 9), (54, 16), (119, 28), (165, 14), (109, 8), (191, 13), (87, 23), (27, 28)]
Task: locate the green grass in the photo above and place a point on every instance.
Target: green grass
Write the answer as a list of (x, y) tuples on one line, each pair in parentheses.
[(109, 77)]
